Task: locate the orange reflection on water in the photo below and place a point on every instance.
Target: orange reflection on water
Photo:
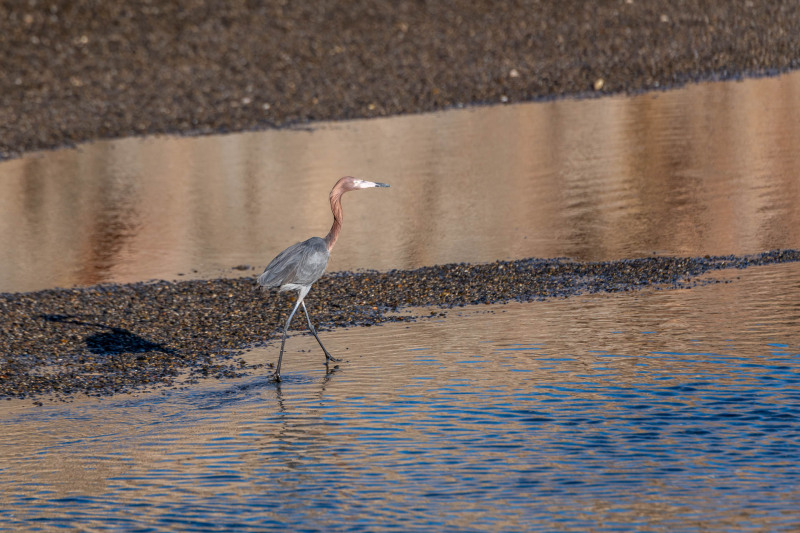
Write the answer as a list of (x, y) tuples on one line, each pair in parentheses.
[(709, 169)]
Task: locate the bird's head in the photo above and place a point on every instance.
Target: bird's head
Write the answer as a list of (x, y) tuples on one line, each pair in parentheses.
[(349, 183)]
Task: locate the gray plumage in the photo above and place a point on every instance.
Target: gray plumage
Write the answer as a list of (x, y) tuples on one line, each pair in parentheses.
[(300, 265)]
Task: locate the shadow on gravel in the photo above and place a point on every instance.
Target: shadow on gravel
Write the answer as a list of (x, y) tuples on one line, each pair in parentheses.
[(113, 341)]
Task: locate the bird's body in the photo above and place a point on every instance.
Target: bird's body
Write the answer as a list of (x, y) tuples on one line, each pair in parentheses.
[(300, 265)]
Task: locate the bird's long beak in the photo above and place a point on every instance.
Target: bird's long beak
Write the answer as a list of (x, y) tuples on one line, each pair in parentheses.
[(364, 184)]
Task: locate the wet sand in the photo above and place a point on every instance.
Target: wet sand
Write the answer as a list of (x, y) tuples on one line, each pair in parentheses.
[(77, 71)]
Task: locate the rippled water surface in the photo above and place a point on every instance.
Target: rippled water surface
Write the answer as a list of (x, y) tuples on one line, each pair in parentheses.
[(710, 169), (647, 411)]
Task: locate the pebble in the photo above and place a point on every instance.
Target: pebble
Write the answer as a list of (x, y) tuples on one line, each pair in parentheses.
[(110, 339), (92, 70)]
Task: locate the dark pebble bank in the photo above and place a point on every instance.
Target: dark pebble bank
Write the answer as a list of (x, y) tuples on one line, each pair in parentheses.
[(107, 339), (77, 70)]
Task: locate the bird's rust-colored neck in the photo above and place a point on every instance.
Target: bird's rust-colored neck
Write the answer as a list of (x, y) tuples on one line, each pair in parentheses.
[(336, 208)]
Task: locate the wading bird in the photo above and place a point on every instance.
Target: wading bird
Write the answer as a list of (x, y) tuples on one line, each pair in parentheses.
[(301, 264)]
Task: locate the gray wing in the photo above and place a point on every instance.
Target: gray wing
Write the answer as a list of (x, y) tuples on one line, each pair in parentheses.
[(302, 264)]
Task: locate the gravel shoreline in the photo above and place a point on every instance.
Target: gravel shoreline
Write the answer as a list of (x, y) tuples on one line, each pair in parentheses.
[(117, 338), (73, 71)]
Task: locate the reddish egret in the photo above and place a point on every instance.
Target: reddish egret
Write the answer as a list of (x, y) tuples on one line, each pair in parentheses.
[(301, 264)]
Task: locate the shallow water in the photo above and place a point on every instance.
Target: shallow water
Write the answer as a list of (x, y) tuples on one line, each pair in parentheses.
[(709, 169), (646, 411)]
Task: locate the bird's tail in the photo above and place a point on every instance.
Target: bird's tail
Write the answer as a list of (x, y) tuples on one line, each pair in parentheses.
[(264, 281)]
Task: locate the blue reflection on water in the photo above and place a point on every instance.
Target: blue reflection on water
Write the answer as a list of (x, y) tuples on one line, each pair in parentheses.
[(632, 442)]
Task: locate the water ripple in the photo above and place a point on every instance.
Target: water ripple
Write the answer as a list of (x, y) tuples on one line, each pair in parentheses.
[(649, 414)]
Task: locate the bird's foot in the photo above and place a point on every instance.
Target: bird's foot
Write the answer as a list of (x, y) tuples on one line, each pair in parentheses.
[(329, 357), (276, 377)]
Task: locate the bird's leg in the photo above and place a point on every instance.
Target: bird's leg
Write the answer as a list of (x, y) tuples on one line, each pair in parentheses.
[(277, 374), (328, 356)]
